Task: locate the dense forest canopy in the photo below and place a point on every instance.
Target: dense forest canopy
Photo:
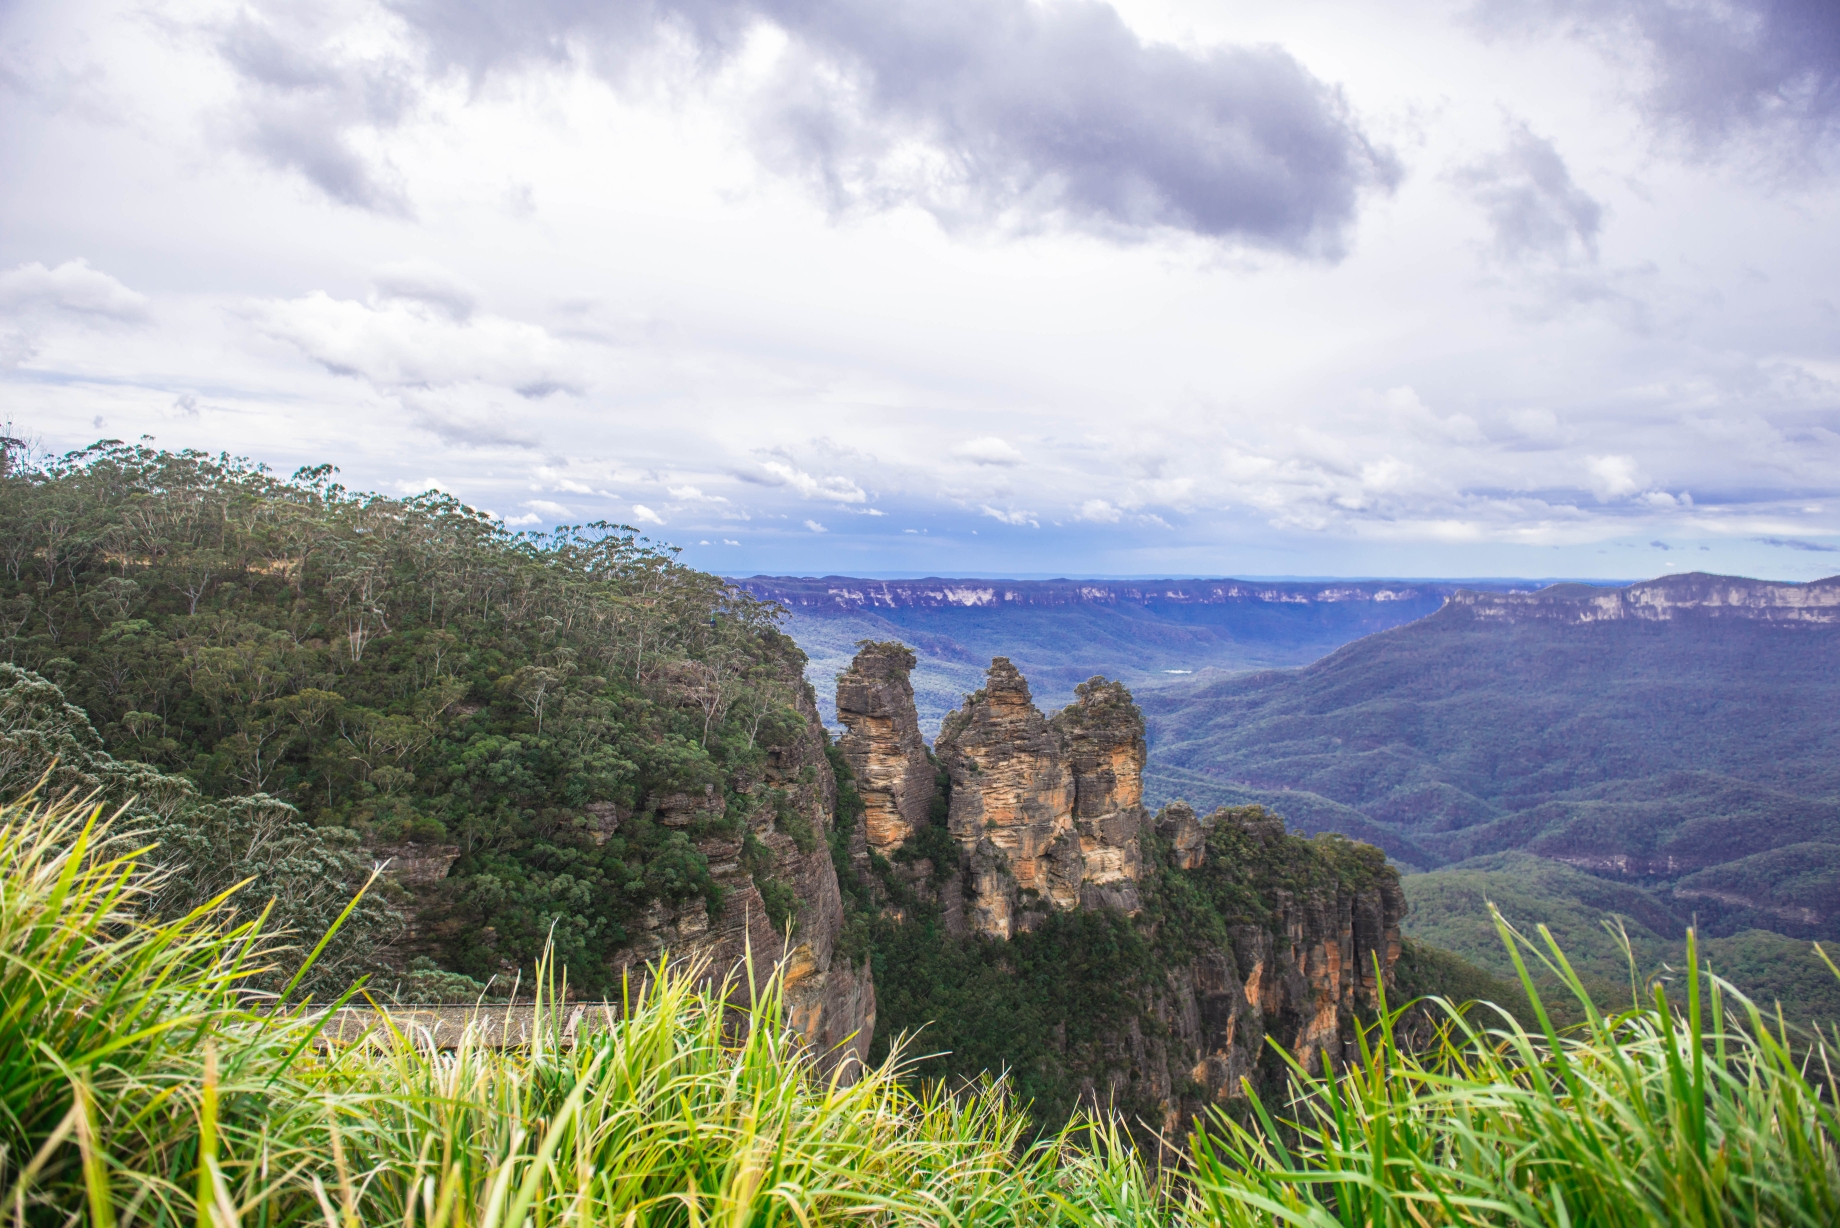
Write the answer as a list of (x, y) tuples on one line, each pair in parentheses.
[(568, 711)]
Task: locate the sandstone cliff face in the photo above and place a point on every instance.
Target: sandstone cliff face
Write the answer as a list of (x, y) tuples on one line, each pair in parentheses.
[(1012, 806), (829, 1000), (1047, 814), (1298, 978), (883, 746)]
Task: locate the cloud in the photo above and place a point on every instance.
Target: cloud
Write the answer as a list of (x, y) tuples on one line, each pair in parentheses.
[(692, 494), (1012, 516), (1537, 425), (1794, 543), (834, 487), (73, 288), (543, 507), (1719, 69), (1100, 512), (1611, 477), (729, 541), (309, 99), (422, 282), (988, 450), (645, 515), (469, 430), (815, 527), (423, 486), (1533, 207), (400, 343), (1001, 111)]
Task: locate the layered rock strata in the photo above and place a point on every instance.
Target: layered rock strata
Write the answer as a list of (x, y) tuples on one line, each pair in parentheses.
[(883, 746), (1695, 594)]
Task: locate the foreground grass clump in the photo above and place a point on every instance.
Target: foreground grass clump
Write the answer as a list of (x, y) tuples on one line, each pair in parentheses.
[(141, 1085), (1646, 1116), (141, 1082)]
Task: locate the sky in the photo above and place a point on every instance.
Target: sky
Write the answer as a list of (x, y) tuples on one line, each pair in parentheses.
[(961, 287)]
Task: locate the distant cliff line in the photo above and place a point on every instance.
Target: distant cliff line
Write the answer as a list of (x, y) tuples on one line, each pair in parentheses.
[(848, 592), (1661, 599)]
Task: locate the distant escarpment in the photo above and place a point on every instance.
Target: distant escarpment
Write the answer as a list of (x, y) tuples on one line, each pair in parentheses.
[(1042, 921), (1693, 595)]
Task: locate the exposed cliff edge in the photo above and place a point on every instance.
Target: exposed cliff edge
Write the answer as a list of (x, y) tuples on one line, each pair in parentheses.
[(1098, 952), (1669, 597), (830, 998)]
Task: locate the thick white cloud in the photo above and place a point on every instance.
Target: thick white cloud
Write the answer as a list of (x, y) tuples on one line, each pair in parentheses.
[(72, 288), (988, 450), (402, 342)]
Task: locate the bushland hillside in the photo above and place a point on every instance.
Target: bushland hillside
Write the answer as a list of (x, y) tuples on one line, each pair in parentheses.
[(542, 729)]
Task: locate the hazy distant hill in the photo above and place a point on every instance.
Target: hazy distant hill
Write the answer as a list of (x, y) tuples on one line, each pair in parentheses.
[(1682, 734), (1061, 632)]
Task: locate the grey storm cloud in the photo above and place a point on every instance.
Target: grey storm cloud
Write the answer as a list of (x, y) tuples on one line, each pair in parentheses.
[(304, 100), (1030, 114), (1532, 204), (1721, 67)]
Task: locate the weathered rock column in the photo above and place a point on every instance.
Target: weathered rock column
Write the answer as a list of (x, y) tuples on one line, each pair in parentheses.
[(883, 746), (1102, 738), (1012, 805)]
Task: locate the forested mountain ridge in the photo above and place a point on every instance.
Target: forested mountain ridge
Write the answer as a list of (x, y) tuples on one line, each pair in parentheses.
[(563, 738), (1677, 737), (1640, 743)]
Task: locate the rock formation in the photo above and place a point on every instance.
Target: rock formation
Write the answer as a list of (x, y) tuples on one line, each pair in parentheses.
[(1102, 737), (1012, 806), (883, 746), (1047, 814)]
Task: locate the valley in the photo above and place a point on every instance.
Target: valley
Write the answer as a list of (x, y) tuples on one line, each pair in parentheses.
[(1659, 755), (1144, 633)]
